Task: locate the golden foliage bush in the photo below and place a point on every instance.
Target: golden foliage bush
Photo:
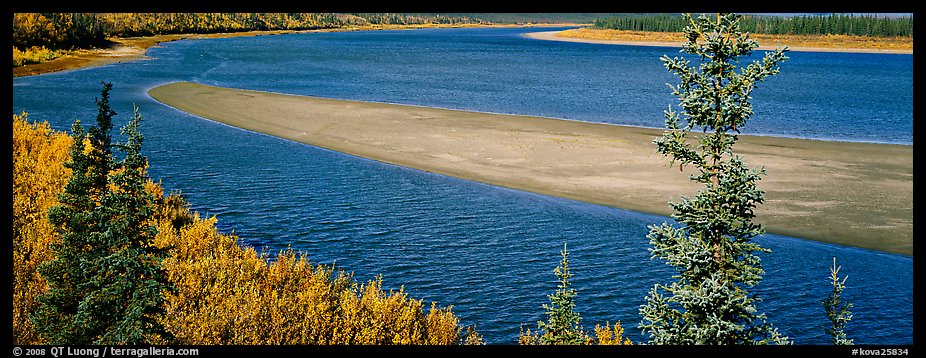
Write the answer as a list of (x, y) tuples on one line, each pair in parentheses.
[(35, 54), (611, 336), (606, 335), (222, 293), (39, 175), (226, 294)]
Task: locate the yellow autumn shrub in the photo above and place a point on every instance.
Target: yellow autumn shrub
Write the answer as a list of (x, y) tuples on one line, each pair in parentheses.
[(226, 294), (39, 175), (222, 293), (34, 54), (606, 335), (611, 336)]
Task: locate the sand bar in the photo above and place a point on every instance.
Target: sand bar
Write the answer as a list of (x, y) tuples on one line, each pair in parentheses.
[(562, 36), (856, 194)]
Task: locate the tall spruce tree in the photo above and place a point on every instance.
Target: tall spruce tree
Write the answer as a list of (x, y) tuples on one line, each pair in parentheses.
[(711, 250), (837, 310), (80, 222), (105, 283), (130, 276), (54, 316)]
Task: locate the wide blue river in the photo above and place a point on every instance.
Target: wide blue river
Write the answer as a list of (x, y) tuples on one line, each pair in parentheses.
[(488, 251)]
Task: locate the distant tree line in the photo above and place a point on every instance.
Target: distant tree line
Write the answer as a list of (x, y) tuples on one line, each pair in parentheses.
[(532, 18), (68, 31), (416, 19), (58, 31), (834, 24)]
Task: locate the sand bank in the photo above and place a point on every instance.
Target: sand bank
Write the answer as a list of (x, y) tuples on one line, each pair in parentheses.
[(563, 36), (857, 194)]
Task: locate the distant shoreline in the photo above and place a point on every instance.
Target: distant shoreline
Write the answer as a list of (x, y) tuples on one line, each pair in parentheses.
[(135, 48), (847, 193), (642, 41)]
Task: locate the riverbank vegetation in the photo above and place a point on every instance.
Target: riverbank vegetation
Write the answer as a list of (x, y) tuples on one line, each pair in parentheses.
[(216, 291), (34, 54), (40, 37), (796, 42), (70, 31), (830, 24), (50, 42), (834, 32)]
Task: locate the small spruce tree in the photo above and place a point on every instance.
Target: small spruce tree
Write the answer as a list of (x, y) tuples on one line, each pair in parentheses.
[(563, 325), (836, 309), (711, 249)]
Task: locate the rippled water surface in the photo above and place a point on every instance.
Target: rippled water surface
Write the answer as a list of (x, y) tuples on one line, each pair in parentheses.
[(488, 251)]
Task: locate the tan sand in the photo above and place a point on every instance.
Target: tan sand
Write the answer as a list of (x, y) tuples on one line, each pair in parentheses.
[(857, 194), (560, 36)]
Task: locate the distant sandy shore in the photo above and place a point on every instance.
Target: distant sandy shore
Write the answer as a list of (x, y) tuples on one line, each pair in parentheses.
[(856, 194), (558, 36)]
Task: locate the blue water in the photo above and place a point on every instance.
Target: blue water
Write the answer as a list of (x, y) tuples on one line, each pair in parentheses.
[(488, 251)]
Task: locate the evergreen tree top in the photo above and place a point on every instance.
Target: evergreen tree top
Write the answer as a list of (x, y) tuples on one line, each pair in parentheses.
[(563, 325), (711, 248)]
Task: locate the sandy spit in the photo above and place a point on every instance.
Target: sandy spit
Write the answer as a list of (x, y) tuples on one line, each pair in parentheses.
[(856, 194)]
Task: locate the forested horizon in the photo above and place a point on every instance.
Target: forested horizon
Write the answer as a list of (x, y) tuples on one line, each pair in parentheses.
[(69, 31), (818, 24)]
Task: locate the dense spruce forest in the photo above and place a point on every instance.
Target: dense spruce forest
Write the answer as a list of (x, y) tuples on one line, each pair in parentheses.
[(832, 24)]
